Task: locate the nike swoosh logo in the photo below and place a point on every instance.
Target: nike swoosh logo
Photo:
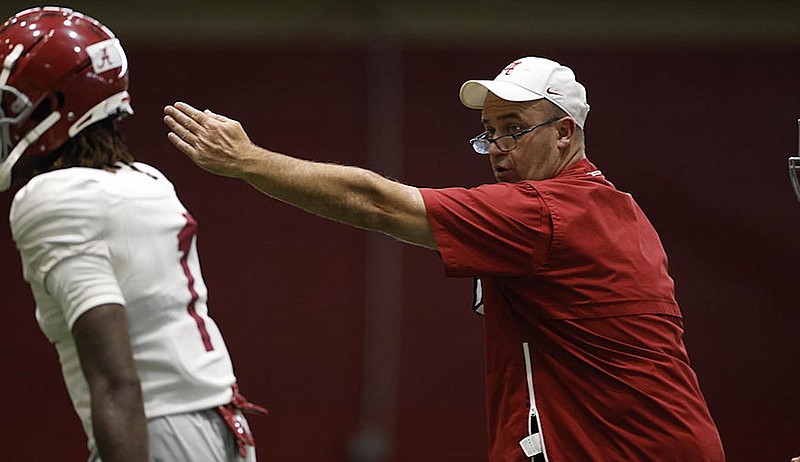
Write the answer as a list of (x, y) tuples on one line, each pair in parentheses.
[(551, 92)]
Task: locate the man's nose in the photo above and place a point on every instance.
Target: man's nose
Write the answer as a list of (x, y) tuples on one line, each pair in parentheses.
[(495, 151)]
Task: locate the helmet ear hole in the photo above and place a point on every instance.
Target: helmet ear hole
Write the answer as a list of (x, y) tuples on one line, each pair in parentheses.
[(44, 109), (51, 103), (60, 100)]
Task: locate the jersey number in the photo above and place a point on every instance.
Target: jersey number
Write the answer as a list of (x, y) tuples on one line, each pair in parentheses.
[(185, 238)]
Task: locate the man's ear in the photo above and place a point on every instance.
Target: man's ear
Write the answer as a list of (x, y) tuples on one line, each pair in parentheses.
[(566, 129)]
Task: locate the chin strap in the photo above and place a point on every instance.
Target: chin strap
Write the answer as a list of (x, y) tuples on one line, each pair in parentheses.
[(16, 153), (119, 103)]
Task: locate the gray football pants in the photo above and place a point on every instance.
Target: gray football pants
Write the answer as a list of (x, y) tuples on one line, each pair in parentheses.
[(200, 436)]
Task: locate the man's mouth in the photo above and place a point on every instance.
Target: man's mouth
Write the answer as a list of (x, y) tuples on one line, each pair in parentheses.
[(502, 173)]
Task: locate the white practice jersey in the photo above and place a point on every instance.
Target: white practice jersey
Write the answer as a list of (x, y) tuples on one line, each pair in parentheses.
[(89, 237)]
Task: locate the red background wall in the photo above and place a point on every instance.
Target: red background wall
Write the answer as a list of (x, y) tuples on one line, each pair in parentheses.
[(699, 135)]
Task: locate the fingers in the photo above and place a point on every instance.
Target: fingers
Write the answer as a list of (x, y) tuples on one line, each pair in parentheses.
[(186, 116), (185, 123), (182, 145), (190, 111), (180, 130), (188, 123)]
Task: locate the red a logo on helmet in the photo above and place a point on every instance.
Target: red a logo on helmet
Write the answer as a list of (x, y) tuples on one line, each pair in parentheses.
[(107, 55)]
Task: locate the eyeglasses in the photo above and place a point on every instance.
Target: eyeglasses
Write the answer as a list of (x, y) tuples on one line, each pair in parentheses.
[(482, 142)]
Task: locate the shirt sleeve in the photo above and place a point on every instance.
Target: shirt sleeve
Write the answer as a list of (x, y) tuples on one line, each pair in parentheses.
[(58, 225), (82, 283), (498, 229)]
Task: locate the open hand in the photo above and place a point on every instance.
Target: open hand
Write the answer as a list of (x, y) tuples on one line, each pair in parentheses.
[(214, 142)]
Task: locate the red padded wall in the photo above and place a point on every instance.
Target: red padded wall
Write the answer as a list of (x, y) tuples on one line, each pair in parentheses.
[(699, 135)]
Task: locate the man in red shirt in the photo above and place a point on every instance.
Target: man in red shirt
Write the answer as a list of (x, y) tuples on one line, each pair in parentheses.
[(585, 357)]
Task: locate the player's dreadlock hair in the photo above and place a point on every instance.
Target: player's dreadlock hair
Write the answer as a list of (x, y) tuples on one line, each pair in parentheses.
[(99, 145)]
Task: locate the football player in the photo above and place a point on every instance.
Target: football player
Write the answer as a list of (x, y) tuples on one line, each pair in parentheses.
[(110, 252)]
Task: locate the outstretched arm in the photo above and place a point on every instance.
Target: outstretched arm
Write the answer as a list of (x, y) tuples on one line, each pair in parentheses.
[(120, 428), (350, 195)]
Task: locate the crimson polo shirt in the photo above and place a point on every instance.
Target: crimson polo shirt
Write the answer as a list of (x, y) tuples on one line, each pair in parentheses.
[(583, 335)]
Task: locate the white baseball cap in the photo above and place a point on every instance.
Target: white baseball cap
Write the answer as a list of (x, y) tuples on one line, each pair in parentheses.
[(530, 79)]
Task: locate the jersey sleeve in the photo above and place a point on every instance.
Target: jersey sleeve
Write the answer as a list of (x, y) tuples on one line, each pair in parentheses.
[(58, 224), (499, 229)]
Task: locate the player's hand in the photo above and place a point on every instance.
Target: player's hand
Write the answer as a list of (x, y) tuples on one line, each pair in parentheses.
[(214, 142), (796, 459)]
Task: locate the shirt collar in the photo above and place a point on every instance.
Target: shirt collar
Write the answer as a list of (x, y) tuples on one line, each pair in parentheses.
[(580, 168)]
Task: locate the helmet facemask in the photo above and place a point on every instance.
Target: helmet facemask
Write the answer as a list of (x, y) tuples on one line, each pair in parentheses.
[(15, 107)]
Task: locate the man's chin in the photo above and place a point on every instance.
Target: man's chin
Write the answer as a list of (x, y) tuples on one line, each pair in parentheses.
[(505, 176)]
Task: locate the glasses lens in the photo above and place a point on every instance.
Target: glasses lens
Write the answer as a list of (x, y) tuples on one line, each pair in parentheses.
[(480, 144), (506, 143)]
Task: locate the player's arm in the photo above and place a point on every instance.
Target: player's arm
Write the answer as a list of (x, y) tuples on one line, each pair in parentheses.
[(104, 348), (350, 195)]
